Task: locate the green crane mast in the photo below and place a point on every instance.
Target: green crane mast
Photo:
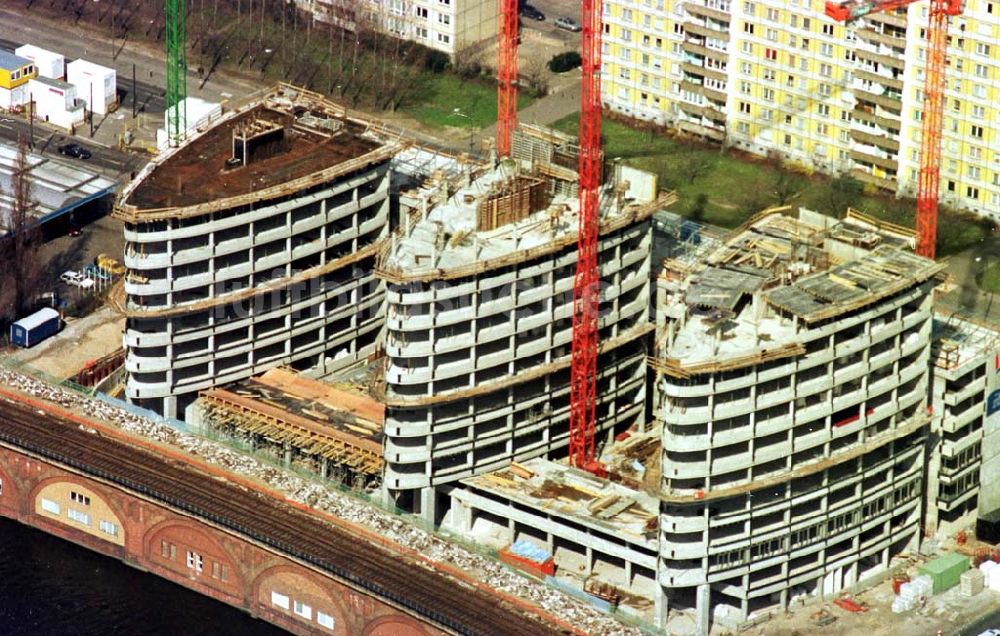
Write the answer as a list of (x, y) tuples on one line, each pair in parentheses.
[(176, 115)]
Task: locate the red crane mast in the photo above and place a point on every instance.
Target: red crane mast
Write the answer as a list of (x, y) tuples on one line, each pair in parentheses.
[(933, 111), (586, 287), (506, 76)]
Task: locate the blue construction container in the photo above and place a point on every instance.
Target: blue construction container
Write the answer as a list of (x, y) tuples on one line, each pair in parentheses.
[(30, 330)]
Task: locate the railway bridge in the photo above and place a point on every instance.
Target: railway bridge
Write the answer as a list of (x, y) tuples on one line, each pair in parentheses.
[(218, 534)]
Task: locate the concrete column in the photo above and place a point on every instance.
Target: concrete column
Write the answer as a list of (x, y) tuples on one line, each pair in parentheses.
[(427, 504), (660, 607), (703, 610), (461, 516), (288, 454), (324, 467)]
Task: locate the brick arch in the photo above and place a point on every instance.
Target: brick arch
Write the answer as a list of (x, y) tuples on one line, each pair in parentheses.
[(187, 534), (300, 584), (397, 625), (103, 506), (10, 500)]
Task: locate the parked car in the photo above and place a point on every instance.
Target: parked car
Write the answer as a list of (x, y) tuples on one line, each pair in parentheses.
[(76, 279), (74, 150), (568, 24), (529, 11)]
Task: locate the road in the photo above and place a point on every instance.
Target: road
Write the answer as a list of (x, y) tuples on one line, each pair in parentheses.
[(110, 161)]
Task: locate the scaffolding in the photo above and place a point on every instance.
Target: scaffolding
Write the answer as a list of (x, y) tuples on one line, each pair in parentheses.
[(302, 422)]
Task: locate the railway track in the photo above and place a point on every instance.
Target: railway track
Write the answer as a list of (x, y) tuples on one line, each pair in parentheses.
[(450, 604)]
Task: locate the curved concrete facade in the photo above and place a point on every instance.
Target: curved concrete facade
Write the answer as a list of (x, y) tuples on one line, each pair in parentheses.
[(230, 294), (793, 460), (478, 366), (252, 246), (837, 431)]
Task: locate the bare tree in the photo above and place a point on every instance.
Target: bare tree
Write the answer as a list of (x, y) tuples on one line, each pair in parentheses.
[(19, 248)]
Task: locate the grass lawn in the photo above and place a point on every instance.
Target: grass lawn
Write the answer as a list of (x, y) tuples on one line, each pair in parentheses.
[(444, 92), (989, 279), (737, 186)]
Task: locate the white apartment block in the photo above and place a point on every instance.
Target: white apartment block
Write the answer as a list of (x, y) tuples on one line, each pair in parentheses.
[(449, 26), (778, 76)]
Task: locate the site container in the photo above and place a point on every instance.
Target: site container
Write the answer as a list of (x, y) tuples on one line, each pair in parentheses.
[(87, 76), (526, 556), (49, 63), (30, 330), (945, 571)]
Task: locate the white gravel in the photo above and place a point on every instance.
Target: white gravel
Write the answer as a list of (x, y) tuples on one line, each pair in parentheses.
[(335, 503)]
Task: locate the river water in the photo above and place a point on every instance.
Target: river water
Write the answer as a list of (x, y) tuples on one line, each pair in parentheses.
[(52, 587)]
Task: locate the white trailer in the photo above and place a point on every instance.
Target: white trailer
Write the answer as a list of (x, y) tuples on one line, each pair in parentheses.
[(49, 63), (93, 79), (56, 102)]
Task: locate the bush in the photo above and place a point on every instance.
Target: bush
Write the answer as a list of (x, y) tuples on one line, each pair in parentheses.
[(437, 62), (564, 62)]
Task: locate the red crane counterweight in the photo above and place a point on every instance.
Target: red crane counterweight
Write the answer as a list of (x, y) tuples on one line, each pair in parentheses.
[(506, 76)]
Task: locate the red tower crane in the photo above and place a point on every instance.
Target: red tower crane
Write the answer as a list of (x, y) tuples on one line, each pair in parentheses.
[(586, 287), (933, 111), (506, 76)]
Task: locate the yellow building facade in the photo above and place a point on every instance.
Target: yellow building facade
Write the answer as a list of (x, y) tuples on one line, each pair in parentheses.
[(15, 72), (779, 77)]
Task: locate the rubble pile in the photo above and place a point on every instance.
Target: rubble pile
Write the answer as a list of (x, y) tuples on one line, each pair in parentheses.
[(334, 503)]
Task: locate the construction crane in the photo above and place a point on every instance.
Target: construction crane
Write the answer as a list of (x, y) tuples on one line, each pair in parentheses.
[(175, 14), (933, 109), (506, 76), (586, 288)]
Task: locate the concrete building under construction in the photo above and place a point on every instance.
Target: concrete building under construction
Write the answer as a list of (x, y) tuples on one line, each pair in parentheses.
[(780, 419), (479, 323), (792, 383), (252, 246)]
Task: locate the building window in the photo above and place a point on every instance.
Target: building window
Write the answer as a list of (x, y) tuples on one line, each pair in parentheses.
[(195, 561), (109, 528), (77, 516), (770, 54), (421, 12), (972, 193), (325, 620), (444, 39), (748, 28), (78, 498), (50, 506), (279, 600), (303, 610), (444, 19), (977, 132)]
